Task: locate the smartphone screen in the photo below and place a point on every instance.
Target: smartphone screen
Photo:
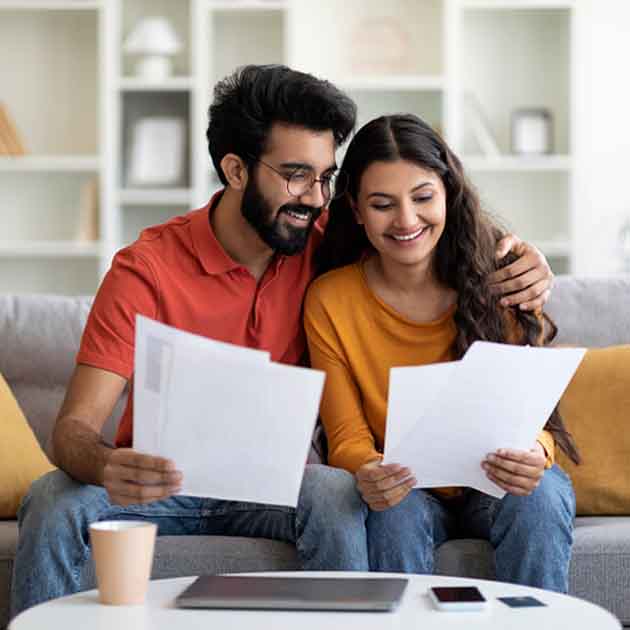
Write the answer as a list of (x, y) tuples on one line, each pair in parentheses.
[(452, 594)]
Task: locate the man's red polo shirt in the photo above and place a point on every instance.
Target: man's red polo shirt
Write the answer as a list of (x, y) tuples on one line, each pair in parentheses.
[(179, 274)]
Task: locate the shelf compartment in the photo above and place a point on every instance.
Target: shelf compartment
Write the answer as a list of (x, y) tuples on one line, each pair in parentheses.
[(50, 164), (55, 104), (49, 249), (138, 105), (41, 206), (51, 5), (517, 59), (370, 104), (53, 275), (533, 205), (178, 15), (237, 6), (137, 218), (237, 38), (155, 197), (393, 82), (172, 84), (518, 163), (367, 38)]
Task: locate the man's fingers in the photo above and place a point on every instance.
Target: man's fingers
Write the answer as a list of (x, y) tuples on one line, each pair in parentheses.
[(506, 244), (125, 493), (133, 459), (518, 283), (536, 304), (142, 476), (529, 294)]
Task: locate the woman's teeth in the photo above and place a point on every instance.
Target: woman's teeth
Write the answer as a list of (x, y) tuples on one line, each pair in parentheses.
[(409, 237)]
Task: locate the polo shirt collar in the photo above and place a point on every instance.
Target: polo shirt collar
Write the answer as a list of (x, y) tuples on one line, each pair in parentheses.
[(214, 259)]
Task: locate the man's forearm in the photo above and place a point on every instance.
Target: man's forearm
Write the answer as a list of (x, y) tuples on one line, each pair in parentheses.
[(79, 450)]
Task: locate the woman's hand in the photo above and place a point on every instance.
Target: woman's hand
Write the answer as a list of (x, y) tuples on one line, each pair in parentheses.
[(383, 486), (527, 281), (516, 472)]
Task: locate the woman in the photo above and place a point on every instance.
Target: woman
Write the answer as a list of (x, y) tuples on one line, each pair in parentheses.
[(407, 250)]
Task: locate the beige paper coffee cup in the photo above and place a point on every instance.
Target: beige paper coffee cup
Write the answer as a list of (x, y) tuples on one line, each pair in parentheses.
[(123, 556)]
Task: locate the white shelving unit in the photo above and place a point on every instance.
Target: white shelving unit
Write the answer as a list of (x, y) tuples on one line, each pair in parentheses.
[(403, 55)]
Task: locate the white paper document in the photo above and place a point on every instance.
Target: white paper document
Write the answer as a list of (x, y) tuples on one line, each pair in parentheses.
[(443, 419), (237, 425)]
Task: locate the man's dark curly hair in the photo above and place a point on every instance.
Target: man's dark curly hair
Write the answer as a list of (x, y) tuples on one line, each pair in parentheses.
[(465, 253), (248, 102)]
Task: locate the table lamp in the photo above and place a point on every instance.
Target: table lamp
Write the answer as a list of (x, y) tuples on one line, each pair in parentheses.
[(154, 39)]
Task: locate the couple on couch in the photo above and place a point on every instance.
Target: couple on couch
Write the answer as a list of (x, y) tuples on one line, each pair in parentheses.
[(411, 272)]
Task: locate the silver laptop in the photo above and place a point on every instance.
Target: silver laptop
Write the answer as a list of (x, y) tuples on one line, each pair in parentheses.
[(294, 593)]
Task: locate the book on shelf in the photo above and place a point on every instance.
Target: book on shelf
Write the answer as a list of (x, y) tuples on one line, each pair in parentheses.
[(479, 125), (10, 140), (4, 148), (87, 226)]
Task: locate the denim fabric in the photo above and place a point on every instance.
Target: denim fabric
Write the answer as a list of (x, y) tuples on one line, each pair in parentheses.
[(532, 536), (53, 548)]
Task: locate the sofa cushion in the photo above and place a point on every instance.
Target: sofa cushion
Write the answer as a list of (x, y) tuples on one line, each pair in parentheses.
[(596, 410), (21, 457)]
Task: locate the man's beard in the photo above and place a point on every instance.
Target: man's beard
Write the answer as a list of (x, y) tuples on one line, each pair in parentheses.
[(283, 238)]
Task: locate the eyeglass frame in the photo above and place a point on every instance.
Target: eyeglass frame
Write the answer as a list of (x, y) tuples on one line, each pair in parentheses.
[(287, 178)]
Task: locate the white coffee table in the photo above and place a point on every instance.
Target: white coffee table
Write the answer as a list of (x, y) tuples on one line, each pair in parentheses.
[(415, 612)]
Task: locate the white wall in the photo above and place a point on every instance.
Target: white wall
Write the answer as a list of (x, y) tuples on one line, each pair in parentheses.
[(602, 133)]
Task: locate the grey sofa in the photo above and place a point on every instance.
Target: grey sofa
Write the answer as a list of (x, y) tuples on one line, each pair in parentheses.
[(38, 340)]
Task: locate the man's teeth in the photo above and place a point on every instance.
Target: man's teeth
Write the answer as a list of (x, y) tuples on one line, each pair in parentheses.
[(297, 215), (409, 237)]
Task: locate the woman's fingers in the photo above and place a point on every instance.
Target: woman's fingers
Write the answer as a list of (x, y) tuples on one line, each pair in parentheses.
[(509, 487), (392, 497), (381, 485), (370, 495), (516, 472)]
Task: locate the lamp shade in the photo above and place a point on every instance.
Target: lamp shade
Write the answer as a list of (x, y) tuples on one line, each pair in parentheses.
[(152, 36)]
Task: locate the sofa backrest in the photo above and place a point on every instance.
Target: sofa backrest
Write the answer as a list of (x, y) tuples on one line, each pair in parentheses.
[(591, 312), (39, 339), (40, 335)]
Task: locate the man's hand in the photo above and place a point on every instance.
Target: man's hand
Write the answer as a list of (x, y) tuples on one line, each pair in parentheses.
[(131, 477), (527, 281), (516, 472), (383, 486)]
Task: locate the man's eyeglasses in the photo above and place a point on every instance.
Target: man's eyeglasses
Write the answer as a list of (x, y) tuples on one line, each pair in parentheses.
[(301, 181)]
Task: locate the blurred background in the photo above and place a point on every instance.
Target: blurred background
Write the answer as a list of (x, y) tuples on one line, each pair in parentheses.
[(103, 111)]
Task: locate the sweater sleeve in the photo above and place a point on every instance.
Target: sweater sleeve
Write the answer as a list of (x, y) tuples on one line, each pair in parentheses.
[(350, 440)]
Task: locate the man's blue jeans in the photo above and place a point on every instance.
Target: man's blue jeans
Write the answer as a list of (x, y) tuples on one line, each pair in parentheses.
[(328, 528), (532, 536)]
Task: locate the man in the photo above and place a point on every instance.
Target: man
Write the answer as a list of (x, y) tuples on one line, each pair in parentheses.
[(235, 270)]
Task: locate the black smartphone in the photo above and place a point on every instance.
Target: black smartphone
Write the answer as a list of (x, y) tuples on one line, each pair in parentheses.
[(457, 598)]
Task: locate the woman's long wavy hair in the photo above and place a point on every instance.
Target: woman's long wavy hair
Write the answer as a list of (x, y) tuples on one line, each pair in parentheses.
[(465, 253)]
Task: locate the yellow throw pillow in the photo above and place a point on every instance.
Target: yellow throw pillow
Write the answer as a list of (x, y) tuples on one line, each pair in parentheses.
[(596, 409), (21, 458)]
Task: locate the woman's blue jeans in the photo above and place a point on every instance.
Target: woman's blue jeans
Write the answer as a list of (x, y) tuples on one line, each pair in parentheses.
[(532, 536)]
